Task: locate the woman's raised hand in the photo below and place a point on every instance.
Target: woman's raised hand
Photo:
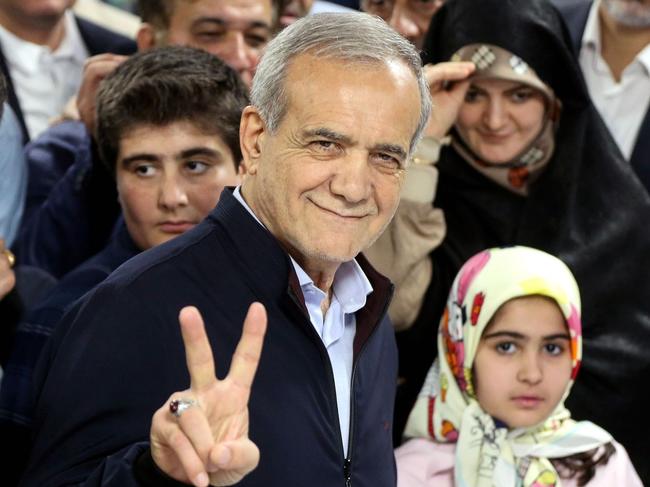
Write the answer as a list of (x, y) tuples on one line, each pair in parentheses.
[(448, 84)]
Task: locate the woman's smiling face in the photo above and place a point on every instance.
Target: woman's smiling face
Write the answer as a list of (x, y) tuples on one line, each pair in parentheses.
[(500, 118)]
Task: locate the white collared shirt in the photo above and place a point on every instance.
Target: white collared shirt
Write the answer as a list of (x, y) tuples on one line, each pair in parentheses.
[(337, 328), (44, 80), (622, 105)]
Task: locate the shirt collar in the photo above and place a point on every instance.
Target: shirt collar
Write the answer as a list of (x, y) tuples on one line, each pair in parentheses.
[(350, 286), (26, 56), (591, 34)]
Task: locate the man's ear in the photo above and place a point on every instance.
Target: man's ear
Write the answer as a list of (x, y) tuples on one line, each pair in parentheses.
[(252, 133), (146, 37)]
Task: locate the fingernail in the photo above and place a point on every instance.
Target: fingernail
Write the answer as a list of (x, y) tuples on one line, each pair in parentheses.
[(202, 480)]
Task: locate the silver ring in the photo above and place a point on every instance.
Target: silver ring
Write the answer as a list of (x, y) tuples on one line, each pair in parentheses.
[(178, 406)]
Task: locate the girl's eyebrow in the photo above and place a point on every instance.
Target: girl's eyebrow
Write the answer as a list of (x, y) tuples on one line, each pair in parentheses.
[(509, 334), (520, 336)]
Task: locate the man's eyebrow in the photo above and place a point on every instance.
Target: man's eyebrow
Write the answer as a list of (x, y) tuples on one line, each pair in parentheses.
[(253, 24), (328, 134), (139, 157), (397, 150), (199, 151)]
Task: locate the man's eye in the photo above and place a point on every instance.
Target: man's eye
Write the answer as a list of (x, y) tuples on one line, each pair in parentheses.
[(196, 167), (256, 40), (323, 145), (209, 35), (506, 348), (387, 161), (144, 170)]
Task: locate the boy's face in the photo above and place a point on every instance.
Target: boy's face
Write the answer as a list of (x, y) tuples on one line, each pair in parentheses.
[(523, 362), (169, 178)]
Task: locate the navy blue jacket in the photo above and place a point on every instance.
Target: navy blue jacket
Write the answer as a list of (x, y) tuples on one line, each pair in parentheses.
[(575, 14), (16, 389), (97, 39), (71, 205), (118, 355)]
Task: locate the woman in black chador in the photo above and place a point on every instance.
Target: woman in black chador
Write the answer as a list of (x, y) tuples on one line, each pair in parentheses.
[(528, 161)]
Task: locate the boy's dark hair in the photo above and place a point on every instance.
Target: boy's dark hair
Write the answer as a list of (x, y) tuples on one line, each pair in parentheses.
[(159, 12), (167, 85)]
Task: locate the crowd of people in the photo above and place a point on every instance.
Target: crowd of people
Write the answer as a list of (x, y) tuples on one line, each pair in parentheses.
[(439, 280)]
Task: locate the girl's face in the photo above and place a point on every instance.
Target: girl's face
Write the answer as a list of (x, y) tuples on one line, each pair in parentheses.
[(523, 362), (500, 118)]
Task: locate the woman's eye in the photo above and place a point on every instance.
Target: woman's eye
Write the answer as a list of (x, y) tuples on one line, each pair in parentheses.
[(471, 95), (506, 347), (521, 96)]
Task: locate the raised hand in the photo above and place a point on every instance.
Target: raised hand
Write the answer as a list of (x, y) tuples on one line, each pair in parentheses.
[(448, 84), (208, 443), (96, 68)]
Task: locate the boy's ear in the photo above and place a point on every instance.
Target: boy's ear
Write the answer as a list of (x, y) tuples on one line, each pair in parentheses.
[(252, 134), (146, 37)]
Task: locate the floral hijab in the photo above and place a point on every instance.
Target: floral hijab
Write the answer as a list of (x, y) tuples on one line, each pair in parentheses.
[(488, 454)]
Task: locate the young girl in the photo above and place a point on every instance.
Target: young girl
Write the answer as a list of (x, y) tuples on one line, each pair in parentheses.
[(491, 412)]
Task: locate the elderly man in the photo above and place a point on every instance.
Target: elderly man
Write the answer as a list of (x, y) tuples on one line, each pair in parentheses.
[(324, 176), (612, 38)]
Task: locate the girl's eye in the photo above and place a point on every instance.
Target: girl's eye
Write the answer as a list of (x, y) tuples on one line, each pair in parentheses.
[(471, 95), (506, 348), (553, 349)]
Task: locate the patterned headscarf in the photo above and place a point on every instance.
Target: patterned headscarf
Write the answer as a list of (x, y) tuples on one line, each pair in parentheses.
[(488, 454), (493, 62)]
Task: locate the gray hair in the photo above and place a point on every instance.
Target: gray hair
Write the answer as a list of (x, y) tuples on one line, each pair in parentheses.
[(356, 37)]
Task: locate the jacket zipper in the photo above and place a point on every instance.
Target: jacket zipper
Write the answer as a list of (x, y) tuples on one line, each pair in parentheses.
[(347, 462)]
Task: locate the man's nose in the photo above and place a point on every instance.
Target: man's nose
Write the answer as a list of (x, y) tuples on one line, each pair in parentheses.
[(240, 56), (403, 23), (172, 194), (352, 180)]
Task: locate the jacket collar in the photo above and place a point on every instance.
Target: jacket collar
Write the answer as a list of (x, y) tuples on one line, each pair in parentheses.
[(274, 279)]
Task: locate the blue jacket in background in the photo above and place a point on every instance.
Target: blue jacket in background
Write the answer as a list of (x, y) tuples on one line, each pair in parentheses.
[(71, 206), (17, 394)]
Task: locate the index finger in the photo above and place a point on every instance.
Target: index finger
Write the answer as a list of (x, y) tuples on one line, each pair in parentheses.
[(448, 71), (249, 349), (198, 352)]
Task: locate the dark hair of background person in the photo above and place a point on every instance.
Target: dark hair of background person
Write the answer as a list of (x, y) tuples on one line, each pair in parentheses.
[(166, 85), (159, 12)]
